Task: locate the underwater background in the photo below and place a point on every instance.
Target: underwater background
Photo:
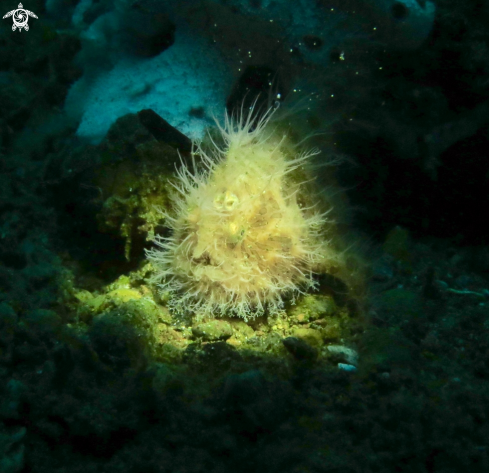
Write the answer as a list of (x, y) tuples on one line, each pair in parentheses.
[(380, 365)]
